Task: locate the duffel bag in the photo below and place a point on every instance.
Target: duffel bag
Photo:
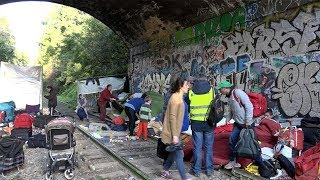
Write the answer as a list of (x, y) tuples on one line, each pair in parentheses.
[(307, 165), (21, 133), (37, 141)]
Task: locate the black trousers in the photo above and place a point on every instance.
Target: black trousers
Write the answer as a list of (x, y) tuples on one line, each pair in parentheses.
[(132, 119)]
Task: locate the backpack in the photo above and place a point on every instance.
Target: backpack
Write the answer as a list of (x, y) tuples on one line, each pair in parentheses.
[(23, 120), (258, 101), (267, 169), (118, 120), (215, 111), (247, 146), (81, 113)]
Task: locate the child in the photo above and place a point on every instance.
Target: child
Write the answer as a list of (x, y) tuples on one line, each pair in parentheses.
[(145, 117), (268, 114)]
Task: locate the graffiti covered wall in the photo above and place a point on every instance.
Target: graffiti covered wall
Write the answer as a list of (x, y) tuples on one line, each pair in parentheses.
[(276, 54)]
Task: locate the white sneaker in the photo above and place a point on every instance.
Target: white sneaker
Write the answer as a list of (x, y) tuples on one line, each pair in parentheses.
[(232, 164)]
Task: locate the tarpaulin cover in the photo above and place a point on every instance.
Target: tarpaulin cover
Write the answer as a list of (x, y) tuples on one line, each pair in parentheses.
[(90, 85), (23, 85)]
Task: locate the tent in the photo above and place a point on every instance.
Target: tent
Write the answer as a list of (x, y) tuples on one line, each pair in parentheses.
[(23, 85), (97, 84)]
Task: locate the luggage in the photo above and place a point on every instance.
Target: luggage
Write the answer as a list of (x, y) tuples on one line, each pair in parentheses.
[(41, 121), (11, 153), (258, 101), (37, 141), (292, 136), (215, 111), (21, 133), (23, 120), (247, 146), (161, 150), (267, 169), (307, 165), (81, 113)]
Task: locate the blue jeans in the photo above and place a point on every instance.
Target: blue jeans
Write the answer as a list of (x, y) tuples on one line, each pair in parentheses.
[(207, 138), (176, 156), (234, 137)]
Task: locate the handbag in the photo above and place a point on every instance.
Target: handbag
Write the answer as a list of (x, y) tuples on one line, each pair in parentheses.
[(161, 150)]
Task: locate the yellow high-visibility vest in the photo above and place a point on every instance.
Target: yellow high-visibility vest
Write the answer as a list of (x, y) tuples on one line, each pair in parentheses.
[(199, 104)]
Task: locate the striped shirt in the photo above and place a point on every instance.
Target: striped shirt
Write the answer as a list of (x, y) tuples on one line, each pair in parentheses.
[(145, 112)]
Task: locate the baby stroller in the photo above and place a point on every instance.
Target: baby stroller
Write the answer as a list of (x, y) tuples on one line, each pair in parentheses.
[(61, 146)]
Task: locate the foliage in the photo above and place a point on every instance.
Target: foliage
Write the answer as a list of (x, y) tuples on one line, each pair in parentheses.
[(75, 45), (69, 96), (7, 42), (21, 59)]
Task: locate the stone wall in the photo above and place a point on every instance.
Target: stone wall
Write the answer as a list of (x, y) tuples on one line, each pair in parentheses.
[(273, 50)]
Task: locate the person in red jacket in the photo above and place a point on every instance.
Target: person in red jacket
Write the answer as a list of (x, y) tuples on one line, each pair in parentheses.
[(104, 97)]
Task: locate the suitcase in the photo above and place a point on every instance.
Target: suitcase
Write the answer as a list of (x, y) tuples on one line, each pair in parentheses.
[(21, 133), (292, 136)]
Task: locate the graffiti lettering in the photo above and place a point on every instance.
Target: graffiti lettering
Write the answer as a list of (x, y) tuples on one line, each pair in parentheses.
[(155, 82), (296, 87)]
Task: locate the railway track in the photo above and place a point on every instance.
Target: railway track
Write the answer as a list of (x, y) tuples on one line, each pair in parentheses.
[(133, 159)]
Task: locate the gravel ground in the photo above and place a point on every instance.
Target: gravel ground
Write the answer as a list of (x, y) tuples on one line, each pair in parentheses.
[(36, 159)]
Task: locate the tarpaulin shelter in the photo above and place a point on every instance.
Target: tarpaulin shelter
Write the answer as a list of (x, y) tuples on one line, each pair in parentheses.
[(97, 84), (23, 85)]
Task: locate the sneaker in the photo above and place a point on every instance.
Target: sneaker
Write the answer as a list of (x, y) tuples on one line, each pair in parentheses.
[(209, 174), (187, 178), (194, 174), (137, 137), (166, 175), (232, 164)]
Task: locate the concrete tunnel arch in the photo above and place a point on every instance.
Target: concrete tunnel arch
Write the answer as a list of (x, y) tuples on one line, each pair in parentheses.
[(243, 29)]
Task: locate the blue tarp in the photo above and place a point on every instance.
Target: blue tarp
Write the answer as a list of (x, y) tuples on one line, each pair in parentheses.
[(8, 107)]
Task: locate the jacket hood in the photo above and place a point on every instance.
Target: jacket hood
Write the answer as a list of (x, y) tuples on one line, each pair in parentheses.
[(201, 87)]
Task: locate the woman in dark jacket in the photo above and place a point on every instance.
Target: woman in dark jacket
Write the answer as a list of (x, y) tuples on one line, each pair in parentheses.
[(52, 99)]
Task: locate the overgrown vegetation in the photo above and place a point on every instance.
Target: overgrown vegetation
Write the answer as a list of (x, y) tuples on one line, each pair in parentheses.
[(75, 45)]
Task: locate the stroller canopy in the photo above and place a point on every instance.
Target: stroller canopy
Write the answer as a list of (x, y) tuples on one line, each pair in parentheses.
[(61, 123)]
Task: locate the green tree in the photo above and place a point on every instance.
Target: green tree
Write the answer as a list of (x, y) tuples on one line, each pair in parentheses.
[(21, 59), (76, 45), (7, 42)]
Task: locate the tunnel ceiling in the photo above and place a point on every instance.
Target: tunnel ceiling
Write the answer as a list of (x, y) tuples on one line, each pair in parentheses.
[(139, 21)]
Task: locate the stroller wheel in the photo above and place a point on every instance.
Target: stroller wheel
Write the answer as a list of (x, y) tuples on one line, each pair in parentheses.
[(49, 176), (69, 173)]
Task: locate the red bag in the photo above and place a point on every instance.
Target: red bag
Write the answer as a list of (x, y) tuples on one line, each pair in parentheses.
[(307, 165), (293, 137), (118, 120), (258, 101), (2, 116), (23, 120)]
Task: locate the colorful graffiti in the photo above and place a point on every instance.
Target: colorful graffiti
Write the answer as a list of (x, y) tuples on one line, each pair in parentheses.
[(278, 57), (155, 82)]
